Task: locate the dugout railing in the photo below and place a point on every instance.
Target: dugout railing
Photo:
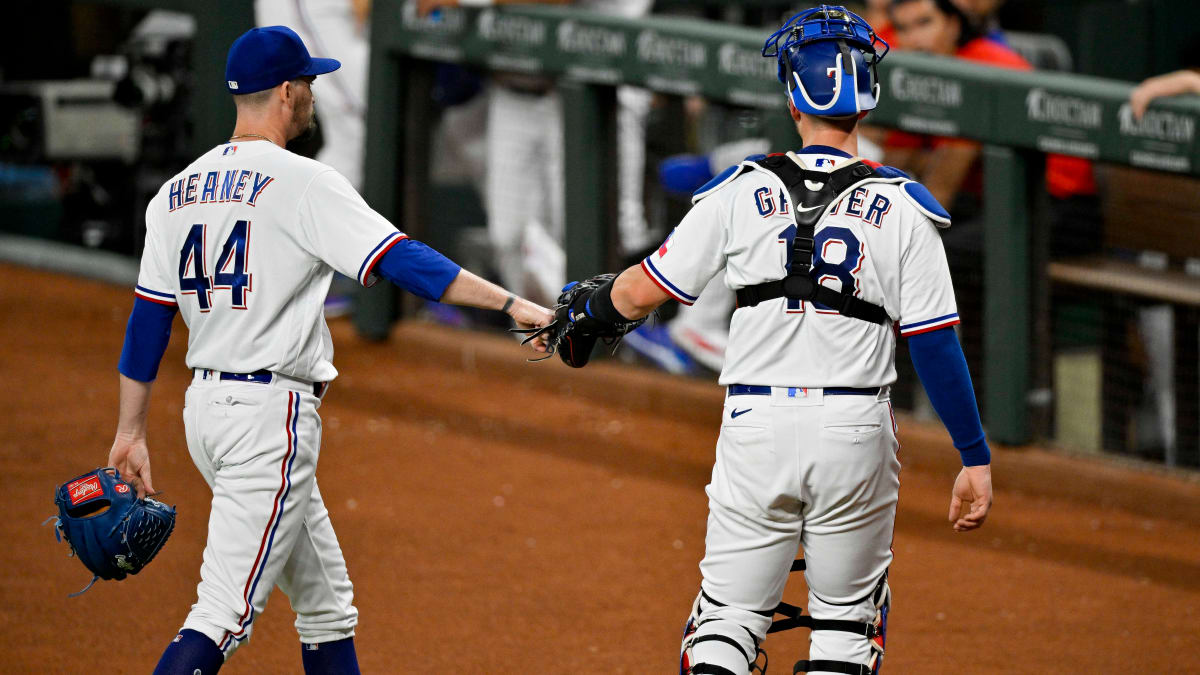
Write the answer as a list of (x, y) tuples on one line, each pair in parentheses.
[(1018, 116)]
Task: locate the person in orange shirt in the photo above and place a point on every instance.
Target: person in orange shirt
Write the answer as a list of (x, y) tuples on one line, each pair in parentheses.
[(941, 27), (950, 167)]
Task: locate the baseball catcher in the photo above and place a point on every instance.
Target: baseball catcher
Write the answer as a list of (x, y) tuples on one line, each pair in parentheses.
[(832, 258), (110, 530)]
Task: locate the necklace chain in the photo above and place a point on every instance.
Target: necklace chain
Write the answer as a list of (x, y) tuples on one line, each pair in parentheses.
[(253, 136)]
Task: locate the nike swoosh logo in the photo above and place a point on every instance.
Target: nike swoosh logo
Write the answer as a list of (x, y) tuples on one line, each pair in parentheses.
[(737, 412), (811, 208)]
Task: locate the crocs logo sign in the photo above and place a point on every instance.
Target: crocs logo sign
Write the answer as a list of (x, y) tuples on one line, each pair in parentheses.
[(516, 30), (1042, 106), (84, 489), (733, 60), (920, 88), (594, 40), (447, 21), (670, 51), (1160, 125)]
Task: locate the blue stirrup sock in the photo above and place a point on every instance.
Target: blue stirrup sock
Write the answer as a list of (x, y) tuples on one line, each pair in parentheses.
[(330, 658), (191, 652)]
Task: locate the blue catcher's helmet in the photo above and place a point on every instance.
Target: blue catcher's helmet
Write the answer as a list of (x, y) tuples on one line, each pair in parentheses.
[(827, 57)]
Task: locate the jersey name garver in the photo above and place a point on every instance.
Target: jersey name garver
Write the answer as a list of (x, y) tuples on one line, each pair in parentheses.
[(233, 185)]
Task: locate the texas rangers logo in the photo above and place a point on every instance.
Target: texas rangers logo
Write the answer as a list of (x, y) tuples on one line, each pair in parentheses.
[(84, 489), (662, 250)]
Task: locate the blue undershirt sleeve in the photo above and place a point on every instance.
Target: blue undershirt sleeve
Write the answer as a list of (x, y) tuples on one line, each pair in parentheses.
[(940, 364), (146, 338), (418, 269)]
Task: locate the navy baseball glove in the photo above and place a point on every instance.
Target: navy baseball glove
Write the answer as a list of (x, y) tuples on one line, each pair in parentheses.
[(110, 530), (574, 332)]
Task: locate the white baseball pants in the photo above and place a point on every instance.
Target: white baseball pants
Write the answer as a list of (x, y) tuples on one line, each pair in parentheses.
[(256, 446), (798, 468)]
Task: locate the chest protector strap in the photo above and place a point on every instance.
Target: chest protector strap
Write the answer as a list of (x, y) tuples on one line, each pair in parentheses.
[(808, 206)]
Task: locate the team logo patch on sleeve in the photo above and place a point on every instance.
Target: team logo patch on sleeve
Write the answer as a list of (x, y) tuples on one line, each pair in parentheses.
[(662, 250), (84, 489)]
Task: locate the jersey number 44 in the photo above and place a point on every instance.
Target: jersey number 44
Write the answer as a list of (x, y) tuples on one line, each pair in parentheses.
[(231, 272)]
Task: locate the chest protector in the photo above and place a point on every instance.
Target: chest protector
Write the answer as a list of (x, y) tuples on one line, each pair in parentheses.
[(808, 207)]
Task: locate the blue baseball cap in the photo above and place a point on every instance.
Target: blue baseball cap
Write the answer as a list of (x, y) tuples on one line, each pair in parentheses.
[(266, 57)]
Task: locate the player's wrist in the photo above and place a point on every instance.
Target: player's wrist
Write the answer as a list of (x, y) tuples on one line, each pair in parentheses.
[(975, 454), (599, 305), (130, 434)]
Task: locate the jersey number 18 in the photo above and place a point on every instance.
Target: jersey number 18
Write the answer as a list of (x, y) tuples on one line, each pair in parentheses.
[(822, 268)]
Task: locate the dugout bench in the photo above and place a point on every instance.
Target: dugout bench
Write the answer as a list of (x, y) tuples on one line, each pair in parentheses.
[(1018, 116), (1121, 287), (1153, 220)]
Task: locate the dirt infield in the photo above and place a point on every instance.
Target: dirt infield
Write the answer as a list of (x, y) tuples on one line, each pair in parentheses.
[(504, 517)]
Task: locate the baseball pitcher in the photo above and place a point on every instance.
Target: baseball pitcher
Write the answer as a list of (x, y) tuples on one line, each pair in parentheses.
[(244, 243), (831, 257)]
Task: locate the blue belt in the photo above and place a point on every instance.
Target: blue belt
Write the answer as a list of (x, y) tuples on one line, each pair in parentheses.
[(757, 390), (259, 376), (266, 377)]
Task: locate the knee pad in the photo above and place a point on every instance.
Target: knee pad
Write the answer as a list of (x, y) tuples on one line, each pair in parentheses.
[(874, 632), (693, 634)]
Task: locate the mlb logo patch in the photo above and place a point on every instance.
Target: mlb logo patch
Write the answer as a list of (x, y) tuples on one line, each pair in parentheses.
[(84, 489), (230, 150)]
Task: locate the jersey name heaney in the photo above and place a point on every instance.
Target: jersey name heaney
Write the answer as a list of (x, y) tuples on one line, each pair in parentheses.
[(232, 185)]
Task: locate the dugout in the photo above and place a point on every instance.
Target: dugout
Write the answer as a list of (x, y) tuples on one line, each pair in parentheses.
[(1017, 116)]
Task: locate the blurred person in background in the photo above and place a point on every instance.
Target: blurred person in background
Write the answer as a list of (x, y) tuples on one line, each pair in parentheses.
[(525, 164), (333, 27), (985, 14), (951, 169)]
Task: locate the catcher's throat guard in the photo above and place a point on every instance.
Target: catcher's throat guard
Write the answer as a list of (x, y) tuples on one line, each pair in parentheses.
[(110, 530)]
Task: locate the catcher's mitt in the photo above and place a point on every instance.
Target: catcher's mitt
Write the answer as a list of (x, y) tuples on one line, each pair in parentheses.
[(574, 331), (110, 530)]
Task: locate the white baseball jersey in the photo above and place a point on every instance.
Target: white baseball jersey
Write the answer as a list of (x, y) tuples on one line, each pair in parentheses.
[(246, 240), (877, 240)]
